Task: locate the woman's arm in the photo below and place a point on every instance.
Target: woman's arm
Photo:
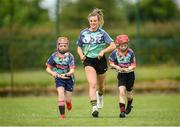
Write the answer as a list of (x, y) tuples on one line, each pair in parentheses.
[(110, 48), (80, 53)]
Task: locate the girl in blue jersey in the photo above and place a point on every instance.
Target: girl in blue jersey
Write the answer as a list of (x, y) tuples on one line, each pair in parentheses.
[(123, 60), (93, 43), (61, 66)]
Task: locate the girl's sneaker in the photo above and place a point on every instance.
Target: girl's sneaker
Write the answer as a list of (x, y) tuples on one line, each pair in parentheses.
[(62, 116), (122, 115), (69, 105), (128, 109)]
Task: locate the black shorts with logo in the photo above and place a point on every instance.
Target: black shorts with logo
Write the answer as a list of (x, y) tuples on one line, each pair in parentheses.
[(127, 80), (100, 65)]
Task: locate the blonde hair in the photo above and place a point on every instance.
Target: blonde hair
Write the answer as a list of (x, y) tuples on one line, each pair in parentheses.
[(98, 12), (63, 38)]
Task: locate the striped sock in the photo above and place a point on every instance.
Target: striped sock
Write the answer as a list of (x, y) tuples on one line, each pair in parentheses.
[(61, 106), (129, 102), (122, 107), (94, 102)]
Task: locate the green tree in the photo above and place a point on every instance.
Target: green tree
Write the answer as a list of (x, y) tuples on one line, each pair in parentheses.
[(23, 12), (158, 10), (75, 14), (155, 10)]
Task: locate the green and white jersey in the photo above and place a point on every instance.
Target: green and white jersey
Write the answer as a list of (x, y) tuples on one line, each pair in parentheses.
[(92, 42)]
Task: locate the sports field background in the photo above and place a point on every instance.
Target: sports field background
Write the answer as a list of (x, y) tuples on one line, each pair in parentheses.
[(40, 78), (28, 36), (149, 110), (158, 105)]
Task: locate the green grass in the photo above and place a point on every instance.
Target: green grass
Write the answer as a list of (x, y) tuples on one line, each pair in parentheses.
[(149, 110), (42, 78)]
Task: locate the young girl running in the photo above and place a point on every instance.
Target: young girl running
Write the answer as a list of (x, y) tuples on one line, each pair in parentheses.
[(123, 60), (61, 66)]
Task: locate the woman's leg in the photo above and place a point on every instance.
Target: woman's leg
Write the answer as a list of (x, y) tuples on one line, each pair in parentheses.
[(100, 84), (101, 81), (92, 81)]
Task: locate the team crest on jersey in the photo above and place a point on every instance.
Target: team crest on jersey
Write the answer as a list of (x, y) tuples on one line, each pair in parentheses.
[(124, 59), (62, 61), (92, 38), (87, 39)]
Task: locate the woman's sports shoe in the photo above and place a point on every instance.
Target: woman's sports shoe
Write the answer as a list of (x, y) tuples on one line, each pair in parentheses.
[(99, 100), (95, 112)]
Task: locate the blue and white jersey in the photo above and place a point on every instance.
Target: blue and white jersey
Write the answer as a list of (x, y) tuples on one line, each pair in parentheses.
[(125, 60), (92, 42), (61, 64)]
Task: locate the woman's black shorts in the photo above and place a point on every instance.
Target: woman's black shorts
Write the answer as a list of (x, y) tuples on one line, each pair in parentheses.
[(100, 65), (126, 79)]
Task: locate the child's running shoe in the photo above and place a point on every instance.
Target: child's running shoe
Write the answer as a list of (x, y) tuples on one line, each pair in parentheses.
[(95, 112), (69, 105), (62, 116), (122, 115), (99, 100), (128, 109)]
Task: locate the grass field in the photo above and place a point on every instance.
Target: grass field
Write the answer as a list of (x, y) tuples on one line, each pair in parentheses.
[(40, 78), (149, 110)]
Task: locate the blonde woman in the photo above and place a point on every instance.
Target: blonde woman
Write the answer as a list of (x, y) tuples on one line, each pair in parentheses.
[(93, 43)]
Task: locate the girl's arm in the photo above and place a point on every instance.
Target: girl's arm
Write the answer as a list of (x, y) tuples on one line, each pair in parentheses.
[(71, 72), (116, 67), (54, 74)]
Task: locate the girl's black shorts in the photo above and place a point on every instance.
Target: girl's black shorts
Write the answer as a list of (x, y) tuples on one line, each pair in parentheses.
[(100, 65), (127, 80)]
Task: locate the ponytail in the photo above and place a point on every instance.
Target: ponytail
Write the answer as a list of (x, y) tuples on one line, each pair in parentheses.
[(98, 12)]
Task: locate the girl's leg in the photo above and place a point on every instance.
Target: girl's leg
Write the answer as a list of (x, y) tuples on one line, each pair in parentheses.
[(129, 95), (61, 99), (122, 96), (100, 83), (92, 81), (68, 95), (129, 103)]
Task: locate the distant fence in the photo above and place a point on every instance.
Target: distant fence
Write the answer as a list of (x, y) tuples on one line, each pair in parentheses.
[(34, 54)]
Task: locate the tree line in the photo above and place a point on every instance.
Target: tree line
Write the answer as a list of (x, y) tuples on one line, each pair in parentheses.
[(73, 14)]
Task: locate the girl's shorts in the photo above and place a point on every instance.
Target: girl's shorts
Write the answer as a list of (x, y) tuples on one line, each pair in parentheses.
[(127, 80), (66, 83)]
